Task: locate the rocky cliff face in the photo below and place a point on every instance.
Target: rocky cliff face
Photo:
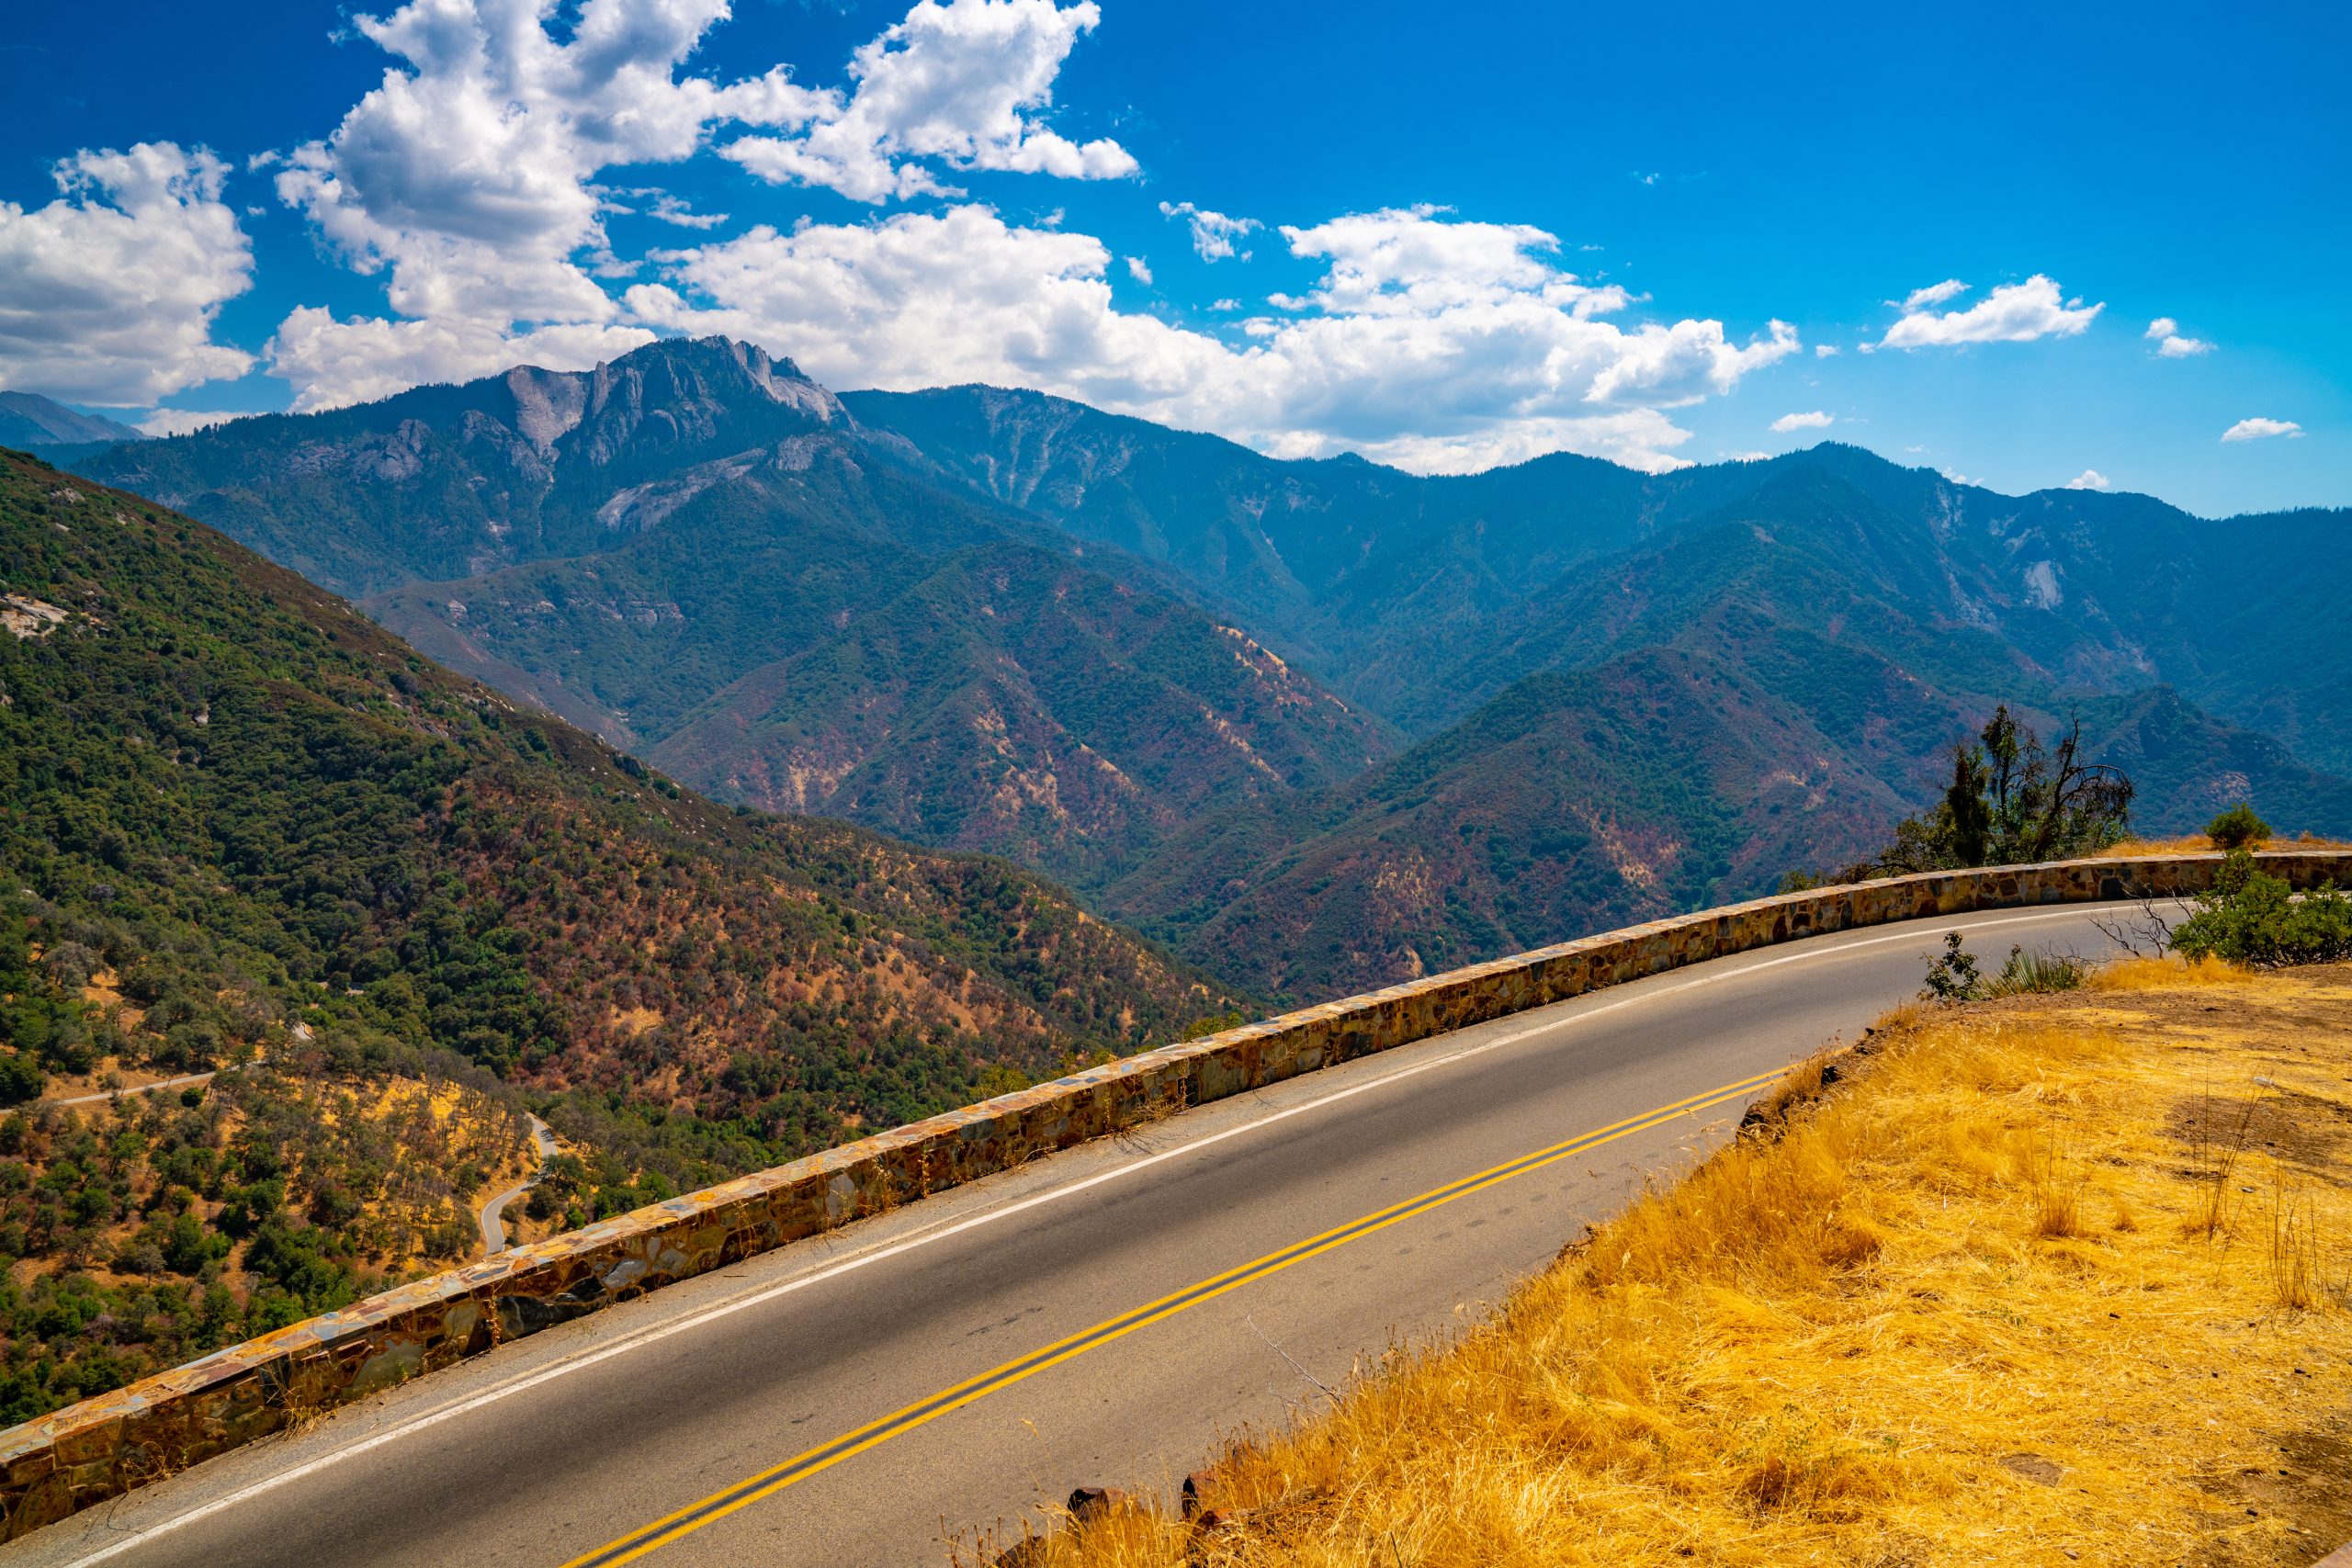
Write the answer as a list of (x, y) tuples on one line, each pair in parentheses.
[(675, 400), (453, 481)]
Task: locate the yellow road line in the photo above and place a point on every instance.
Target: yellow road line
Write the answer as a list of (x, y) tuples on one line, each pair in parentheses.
[(800, 1467)]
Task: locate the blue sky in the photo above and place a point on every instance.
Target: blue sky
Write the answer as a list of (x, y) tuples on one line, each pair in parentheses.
[(1463, 236)]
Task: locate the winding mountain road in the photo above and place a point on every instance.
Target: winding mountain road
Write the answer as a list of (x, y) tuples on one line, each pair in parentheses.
[(491, 1216), (1098, 1317), (105, 1096)]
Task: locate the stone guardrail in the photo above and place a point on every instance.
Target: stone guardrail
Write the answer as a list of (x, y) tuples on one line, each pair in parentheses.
[(108, 1445)]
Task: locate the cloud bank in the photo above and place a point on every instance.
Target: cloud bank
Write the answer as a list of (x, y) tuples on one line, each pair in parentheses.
[(108, 294), (476, 180), (2014, 312), (1433, 343), (467, 178)]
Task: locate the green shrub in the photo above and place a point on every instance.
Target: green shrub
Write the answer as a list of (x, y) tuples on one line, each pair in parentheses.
[(2037, 973), (2251, 916), (1214, 1023), (20, 1078), (2237, 827), (1953, 976)]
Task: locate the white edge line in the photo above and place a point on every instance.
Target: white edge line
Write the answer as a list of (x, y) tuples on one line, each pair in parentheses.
[(643, 1337)]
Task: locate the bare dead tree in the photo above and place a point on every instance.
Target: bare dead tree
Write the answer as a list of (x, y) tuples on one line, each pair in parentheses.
[(2145, 930)]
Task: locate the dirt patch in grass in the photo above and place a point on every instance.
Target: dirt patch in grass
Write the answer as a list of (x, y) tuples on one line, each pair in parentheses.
[(2301, 1132), (2055, 1280)]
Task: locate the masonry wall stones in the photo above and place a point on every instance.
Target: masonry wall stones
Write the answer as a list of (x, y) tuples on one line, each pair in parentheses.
[(106, 1446)]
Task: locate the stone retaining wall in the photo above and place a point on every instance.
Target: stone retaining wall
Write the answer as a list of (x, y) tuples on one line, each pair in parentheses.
[(106, 1446)]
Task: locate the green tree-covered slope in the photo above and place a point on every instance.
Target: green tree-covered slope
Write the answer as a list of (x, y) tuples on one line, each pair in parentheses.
[(1661, 781), (238, 820)]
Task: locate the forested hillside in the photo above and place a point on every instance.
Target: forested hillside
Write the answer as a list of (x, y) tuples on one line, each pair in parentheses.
[(1759, 691), (1181, 676), (1661, 781), (1422, 597), (238, 821)]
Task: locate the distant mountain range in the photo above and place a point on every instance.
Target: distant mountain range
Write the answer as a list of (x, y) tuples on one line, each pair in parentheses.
[(1422, 597), (1318, 724), (698, 553), (28, 419)]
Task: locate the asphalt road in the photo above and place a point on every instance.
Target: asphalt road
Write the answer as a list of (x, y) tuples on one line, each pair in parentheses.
[(551, 1450), (490, 1218)]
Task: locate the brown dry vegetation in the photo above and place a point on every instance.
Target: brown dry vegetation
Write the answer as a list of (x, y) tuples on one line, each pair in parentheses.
[(2198, 843), (403, 1159), (2053, 1280)]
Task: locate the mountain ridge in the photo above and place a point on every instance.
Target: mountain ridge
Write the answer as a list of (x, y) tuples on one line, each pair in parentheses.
[(625, 546), (29, 419), (785, 596)]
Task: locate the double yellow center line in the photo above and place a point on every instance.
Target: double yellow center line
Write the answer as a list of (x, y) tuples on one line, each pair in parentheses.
[(800, 1467)]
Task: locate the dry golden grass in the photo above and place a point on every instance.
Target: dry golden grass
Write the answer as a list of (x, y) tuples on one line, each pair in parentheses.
[(2056, 1279), (2167, 973), (2198, 844), (2185, 844)]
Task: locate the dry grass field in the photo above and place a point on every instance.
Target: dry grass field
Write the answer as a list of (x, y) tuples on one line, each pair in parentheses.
[(2198, 844), (2050, 1280)]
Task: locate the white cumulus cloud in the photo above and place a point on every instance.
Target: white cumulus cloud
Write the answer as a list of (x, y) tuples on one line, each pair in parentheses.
[(2090, 478), (1213, 233), (108, 294), (1814, 421), (478, 178), (1934, 294), (2165, 333), (467, 178), (361, 358), (2014, 312), (180, 422), (2261, 429), (1433, 343), (1411, 260), (1825, 351), (958, 82)]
